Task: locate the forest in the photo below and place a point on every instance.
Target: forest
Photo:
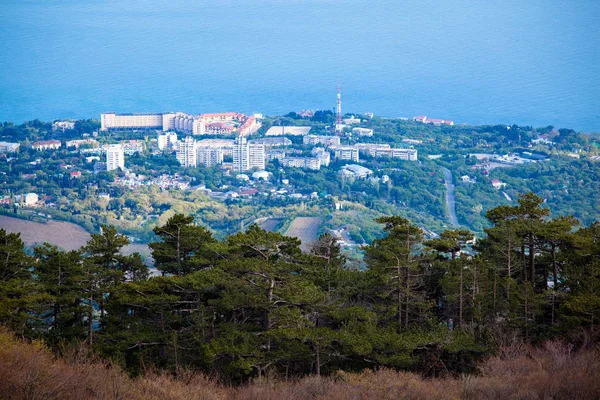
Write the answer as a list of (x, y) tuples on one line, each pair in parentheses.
[(253, 306)]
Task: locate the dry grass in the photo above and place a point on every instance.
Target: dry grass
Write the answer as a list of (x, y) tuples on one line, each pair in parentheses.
[(29, 371)]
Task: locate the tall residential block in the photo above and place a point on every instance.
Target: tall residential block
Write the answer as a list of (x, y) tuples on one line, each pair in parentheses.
[(186, 152), (115, 157), (247, 156)]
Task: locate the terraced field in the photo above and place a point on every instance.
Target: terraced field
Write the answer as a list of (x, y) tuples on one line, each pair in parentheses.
[(306, 229)]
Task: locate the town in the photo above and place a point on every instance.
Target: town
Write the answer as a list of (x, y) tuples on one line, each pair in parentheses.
[(232, 170)]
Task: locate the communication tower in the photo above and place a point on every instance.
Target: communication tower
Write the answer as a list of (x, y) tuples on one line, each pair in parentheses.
[(338, 111)]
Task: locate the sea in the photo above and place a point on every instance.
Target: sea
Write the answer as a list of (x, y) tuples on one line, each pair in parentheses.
[(526, 62)]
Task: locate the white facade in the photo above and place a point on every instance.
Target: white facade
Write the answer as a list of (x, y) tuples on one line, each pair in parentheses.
[(7, 147), (63, 125), (115, 157), (355, 171), (46, 145), (134, 121), (209, 156), (324, 140), (323, 156), (186, 152), (247, 156), (166, 140), (302, 162), (30, 199), (362, 131), (403, 154), (346, 153)]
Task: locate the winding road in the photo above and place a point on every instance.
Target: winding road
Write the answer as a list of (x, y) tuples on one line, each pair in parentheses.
[(450, 197)]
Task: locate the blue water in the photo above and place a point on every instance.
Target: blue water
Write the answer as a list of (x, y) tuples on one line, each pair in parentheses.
[(530, 62)]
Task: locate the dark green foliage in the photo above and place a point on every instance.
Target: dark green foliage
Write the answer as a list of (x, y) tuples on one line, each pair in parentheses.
[(254, 304)]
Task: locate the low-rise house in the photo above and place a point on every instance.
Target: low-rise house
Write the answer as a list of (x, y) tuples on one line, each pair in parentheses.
[(82, 142), (498, 184)]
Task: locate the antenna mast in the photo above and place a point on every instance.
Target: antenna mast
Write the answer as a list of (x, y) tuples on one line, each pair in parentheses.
[(338, 111)]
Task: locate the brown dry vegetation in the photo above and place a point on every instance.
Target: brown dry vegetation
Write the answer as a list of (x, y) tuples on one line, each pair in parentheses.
[(553, 371)]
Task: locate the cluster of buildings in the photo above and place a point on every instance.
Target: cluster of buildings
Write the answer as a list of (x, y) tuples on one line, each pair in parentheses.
[(201, 124), (253, 154), (352, 153), (132, 181), (210, 152)]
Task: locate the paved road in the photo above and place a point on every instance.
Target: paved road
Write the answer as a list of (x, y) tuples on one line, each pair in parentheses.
[(450, 197)]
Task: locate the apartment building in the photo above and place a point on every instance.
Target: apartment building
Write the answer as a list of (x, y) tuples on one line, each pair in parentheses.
[(166, 140), (301, 162), (345, 153), (247, 156), (186, 152), (323, 156), (7, 147), (112, 121), (209, 156), (115, 157), (324, 140)]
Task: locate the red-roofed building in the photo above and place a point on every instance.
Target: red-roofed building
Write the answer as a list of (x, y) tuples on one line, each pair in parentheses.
[(421, 118), (75, 174), (222, 117), (249, 126), (248, 192), (219, 128)]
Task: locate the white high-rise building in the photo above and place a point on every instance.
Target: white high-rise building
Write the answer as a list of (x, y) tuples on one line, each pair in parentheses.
[(247, 156), (115, 157), (209, 156), (186, 152), (166, 140)]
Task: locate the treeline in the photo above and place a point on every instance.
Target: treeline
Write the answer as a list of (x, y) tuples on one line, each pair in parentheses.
[(254, 304)]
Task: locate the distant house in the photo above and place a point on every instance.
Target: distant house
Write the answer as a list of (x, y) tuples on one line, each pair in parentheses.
[(435, 121), (498, 184), (352, 120), (30, 199), (75, 174), (63, 125)]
